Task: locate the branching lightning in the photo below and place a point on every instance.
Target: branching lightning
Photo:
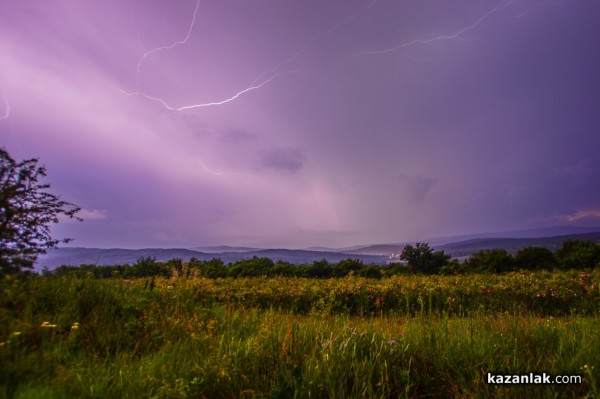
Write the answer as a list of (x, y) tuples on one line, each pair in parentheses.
[(262, 79), (455, 35), (172, 46), (252, 87), (313, 39)]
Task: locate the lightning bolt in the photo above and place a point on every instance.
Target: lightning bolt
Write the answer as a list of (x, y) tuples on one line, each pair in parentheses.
[(452, 36), (162, 48), (260, 81), (6, 114), (253, 86), (309, 43), (544, 3)]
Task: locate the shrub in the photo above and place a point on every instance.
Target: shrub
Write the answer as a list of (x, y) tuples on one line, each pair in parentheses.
[(490, 261)]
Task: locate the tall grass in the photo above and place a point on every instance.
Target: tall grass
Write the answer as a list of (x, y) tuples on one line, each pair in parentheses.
[(285, 338)]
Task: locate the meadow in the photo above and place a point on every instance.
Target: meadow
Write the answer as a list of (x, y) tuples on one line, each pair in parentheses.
[(409, 336)]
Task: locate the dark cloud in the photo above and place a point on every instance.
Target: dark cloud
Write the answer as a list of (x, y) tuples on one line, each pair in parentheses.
[(287, 159), (419, 118), (237, 135)]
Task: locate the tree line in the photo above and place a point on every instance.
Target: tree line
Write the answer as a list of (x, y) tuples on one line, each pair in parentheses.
[(415, 259)]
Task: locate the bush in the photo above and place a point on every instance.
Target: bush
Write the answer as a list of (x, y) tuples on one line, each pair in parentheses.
[(214, 268), (320, 269), (534, 258), (146, 267), (371, 271), (346, 267), (251, 267), (577, 254), (490, 261)]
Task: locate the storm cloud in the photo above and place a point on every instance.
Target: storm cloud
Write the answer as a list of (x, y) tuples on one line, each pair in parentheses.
[(284, 159), (309, 123)]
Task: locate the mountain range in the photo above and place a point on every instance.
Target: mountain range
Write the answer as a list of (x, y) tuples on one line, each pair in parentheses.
[(458, 246)]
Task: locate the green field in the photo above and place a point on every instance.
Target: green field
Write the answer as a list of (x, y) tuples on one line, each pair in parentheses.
[(403, 336)]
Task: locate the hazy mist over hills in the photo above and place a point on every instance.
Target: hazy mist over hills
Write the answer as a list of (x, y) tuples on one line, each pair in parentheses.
[(378, 254)]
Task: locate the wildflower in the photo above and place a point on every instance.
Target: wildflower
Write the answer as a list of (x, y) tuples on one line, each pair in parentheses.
[(75, 326), (47, 324), (394, 342), (16, 333)]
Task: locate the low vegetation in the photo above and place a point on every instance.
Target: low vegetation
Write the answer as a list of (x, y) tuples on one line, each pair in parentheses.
[(417, 259), (402, 336)]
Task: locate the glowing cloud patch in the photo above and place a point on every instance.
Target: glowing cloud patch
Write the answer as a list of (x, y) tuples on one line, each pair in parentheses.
[(581, 215), (92, 214)]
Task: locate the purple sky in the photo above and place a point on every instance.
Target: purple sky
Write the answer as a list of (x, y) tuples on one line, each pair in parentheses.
[(300, 123)]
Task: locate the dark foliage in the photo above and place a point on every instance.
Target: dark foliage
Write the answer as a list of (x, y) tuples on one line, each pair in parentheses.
[(578, 254), (532, 258), (421, 258), (27, 211), (490, 261)]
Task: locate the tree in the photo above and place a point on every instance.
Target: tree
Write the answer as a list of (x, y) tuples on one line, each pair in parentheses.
[(345, 267), (148, 267), (577, 254), (251, 267), (420, 258), (213, 268), (491, 261), (371, 271), (27, 211), (320, 269), (532, 258)]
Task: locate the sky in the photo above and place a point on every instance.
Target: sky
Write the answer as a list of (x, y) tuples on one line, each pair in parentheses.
[(281, 123)]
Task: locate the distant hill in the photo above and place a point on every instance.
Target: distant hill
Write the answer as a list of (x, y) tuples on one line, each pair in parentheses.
[(551, 231), (223, 248), (113, 256), (379, 249), (345, 250), (512, 245), (97, 256), (550, 237), (378, 254)]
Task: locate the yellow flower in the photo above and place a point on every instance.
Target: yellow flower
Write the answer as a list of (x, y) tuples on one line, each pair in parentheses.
[(17, 333), (75, 326)]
